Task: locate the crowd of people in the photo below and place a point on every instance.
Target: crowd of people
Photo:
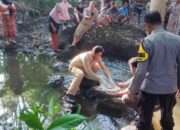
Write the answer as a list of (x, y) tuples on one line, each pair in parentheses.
[(84, 17), (155, 70), (111, 11)]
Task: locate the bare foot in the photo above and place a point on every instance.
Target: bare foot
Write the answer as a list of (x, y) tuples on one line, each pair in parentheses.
[(7, 43), (71, 45), (13, 41)]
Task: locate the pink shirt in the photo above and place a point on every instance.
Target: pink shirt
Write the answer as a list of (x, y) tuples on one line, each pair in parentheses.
[(60, 12), (55, 13), (65, 11)]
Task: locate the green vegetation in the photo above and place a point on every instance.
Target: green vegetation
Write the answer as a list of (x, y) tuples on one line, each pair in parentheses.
[(27, 96), (37, 118)]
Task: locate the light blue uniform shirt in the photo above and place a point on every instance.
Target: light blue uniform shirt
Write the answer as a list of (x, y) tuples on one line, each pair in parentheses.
[(158, 74)]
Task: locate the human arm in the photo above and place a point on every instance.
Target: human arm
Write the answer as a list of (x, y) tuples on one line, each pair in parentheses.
[(54, 29), (96, 16), (109, 18), (126, 84), (58, 10), (178, 82), (76, 15), (170, 8), (12, 7), (122, 85), (104, 69), (70, 6), (85, 13), (139, 77), (143, 61), (117, 93), (178, 78)]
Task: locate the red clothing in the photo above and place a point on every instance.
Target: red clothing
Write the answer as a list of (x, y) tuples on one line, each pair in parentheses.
[(8, 20), (8, 25)]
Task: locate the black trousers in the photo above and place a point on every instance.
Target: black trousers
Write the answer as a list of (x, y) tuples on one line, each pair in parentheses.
[(146, 105), (51, 20)]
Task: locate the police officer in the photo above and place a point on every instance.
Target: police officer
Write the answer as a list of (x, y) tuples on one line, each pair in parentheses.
[(156, 76)]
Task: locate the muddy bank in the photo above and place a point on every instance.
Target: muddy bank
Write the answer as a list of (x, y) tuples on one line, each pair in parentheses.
[(33, 35), (118, 40)]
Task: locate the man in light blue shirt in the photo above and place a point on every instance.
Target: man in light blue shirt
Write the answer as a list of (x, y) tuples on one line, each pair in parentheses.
[(124, 14), (124, 10)]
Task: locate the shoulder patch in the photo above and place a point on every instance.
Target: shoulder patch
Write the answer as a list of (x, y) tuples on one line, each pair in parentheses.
[(142, 54)]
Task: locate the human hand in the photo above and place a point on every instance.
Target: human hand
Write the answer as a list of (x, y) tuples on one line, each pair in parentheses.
[(99, 26), (99, 79), (78, 20), (127, 95), (178, 93), (121, 85), (54, 29), (8, 7)]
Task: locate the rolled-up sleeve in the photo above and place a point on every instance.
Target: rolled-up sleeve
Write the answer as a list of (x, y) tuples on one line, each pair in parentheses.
[(139, 77)]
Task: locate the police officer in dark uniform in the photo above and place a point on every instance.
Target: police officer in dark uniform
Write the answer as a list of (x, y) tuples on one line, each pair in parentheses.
[(156, 76)]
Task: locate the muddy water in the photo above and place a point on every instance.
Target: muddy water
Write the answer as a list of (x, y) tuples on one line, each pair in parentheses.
[(23, 81)]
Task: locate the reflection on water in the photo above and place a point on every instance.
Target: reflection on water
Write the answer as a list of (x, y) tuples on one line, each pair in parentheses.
[(23, 81), (13, 70)]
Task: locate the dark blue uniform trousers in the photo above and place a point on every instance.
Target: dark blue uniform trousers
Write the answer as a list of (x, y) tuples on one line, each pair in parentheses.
[(146, 105)]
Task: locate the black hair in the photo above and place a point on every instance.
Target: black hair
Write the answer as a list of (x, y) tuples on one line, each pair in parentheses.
[(125, 1), (152, 18), (96, 49), (133, 62)]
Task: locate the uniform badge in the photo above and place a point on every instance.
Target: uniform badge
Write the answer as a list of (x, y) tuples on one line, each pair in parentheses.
[(142, 54)]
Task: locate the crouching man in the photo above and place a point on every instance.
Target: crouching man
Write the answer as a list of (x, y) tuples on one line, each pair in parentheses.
[(84, 65)]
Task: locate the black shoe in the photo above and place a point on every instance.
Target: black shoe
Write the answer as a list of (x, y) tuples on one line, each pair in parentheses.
[(69, 103)]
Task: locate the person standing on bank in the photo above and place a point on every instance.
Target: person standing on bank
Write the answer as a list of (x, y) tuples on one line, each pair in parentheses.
[(7, 9), (174, 18), (90, 14), (85, 65), (156, 76), (54, 23)]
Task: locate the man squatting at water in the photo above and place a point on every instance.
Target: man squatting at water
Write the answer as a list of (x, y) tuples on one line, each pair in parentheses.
[(84, 65)]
